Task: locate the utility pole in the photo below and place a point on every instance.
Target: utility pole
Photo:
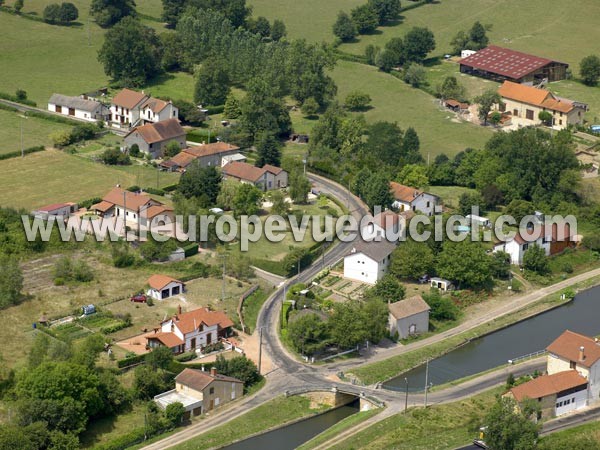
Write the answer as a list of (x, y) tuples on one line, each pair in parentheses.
[(260, 331), (299, 259), (426, 381), (406, 396), (125, 214), (22, 148), (157, 174)]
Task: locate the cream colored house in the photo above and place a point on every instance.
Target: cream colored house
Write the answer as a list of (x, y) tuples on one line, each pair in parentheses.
[(524, 104), (201, 391)]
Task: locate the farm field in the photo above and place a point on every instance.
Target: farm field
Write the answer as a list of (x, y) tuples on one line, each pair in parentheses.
[(525, 26), (35, 131), (53, 176), (394, 100), (310, 19)]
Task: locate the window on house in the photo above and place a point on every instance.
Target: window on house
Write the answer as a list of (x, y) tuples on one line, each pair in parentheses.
[(515, 113), (211, 390), (572, 365), (529, 114), (560, 122), (525, 247)]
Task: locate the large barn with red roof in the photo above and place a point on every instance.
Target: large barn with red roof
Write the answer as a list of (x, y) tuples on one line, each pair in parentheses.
[(500, 64)]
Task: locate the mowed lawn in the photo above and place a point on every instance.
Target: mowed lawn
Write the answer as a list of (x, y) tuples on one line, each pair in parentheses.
[(35, 131), (535, 26), (396, 101), (53, 176), (309, 19)]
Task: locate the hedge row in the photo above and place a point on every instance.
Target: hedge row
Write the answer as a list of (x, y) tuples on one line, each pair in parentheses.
[(190, 250), (17, 153), (52, 117), (115, 327), (126, 362), (8, 108), (15, 99), (361, 59)]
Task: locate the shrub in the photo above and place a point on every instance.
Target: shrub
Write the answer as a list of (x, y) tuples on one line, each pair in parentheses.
[(134, 150), (114, 156)]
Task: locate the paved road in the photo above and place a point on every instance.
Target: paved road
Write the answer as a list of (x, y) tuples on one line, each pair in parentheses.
[(290, 373)]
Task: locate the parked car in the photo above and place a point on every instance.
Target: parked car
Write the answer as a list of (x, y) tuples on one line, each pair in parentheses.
[(424, 279), (139, 298)]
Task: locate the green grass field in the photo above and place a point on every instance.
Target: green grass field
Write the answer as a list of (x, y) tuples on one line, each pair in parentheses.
[(53, 176), (394, 100), (534, 26), (35, 131)]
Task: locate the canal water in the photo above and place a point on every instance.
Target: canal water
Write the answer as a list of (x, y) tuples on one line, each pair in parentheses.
[(294, 435), (581, 315)]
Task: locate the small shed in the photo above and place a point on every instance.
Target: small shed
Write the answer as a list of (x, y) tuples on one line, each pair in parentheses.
[(162, 286), (409, 317), (441, 284), (455, 105), (467, 53), (88, 310), (482, 221)]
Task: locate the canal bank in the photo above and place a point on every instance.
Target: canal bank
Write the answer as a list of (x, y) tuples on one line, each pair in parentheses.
[(496, 347)]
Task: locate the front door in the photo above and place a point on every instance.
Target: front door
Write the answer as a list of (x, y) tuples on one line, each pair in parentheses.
[(71, 111), (208, 338), (193, 343), (212, 405)]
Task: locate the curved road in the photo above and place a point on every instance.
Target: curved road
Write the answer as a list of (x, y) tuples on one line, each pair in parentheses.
[(290, 373)]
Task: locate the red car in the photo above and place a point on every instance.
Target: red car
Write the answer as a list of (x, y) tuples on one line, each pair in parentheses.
[(139, 298)]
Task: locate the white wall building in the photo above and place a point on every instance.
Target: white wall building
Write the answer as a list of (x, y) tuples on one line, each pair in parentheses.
[(407, 198), (385, 225), (162, 286), (408, 317), (368, 261), (78, 107)]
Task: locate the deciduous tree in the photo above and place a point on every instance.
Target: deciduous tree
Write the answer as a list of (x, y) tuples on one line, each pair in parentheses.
[(106, 13), (365, 18), (411, 260), (212, 83), (344, 27), (589, 70)]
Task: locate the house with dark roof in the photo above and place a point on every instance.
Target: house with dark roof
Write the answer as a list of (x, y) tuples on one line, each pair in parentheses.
[(266, 178), (153, 138), (408, 317), (525, 103), (368, 261), (131, 108), (201, 391), (408, 198), (501, 64), (206, 155), (553, 238), (191, 331), (78, 108), (137, 208), (574, 351)]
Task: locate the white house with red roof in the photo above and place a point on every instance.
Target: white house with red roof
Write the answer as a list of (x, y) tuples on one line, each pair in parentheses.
[(56, 210), (266, 178), (162, 286), (385, 225), (191, 331), (130, 108), (553, 239), (407, 198)]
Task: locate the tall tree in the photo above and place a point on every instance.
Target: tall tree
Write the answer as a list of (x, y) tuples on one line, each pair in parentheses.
[(344, 27), (418, 42), (477, 36), (387, 10), (131, 52), (260, 26), (268, 148), (235, 11), (308, 333), (466, 263), (451, 88), (535, 260), (246, 200), (299, 187), (387, 289), (11, 281), (212, 83), (172, 9), (202, 183), (278, 30), (412, 260), (365, 18), (589, 70), (508, 428), (385, 143), (486, 102), (106, 13), (377, 192)]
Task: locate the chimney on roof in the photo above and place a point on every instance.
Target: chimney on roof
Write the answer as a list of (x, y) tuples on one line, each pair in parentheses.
[(415, 193), (213, 371), (581, 353)]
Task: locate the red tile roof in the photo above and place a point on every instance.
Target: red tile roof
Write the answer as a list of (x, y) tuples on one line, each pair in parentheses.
[(210, 149), (128, 98), (505, 62), (534, 96), (273, 169), (159, 131), (386, 219), (189, 321), (155, 210), (404, 193), (567, 346), (102, 206), (155, 104), (168, 339), (243, 171), (133, 201), (54, 206), (198, 380), (158, 281), (546, 385)]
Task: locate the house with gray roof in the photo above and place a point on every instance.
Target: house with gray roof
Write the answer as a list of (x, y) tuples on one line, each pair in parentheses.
[(409, 317), (78, 108), (368, 261)]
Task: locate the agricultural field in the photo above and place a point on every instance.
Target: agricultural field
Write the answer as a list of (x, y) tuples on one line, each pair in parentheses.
[(529, 26), (393, 100), (54, 176), (35, 131)]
